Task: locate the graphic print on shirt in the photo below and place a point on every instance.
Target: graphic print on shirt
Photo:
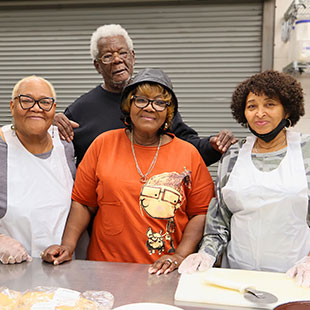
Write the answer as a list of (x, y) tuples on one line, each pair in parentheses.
[(161, 196), (155, 241)]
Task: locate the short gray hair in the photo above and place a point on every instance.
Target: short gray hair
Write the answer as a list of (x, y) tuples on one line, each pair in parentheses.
[(108, 31), (32, 77)]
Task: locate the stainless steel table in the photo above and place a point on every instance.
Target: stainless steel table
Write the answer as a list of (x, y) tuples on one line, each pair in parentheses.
[(129, 283)]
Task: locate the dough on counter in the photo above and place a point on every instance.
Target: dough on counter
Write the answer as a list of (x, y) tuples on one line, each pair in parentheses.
[(9, 299), (45, 299)]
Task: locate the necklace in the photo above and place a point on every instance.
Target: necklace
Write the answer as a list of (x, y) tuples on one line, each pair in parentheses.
[(143, 178), (279, 146)]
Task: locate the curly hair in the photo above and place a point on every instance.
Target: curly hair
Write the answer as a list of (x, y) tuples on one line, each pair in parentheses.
[(275, 85), (147, 89)]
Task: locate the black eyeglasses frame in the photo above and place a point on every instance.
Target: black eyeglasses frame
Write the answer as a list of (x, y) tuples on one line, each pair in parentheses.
[(35, 102), (150, 101)]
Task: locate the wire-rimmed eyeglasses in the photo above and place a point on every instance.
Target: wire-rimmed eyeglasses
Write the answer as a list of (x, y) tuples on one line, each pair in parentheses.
[(108, 57), (158, 105), (27, 102)]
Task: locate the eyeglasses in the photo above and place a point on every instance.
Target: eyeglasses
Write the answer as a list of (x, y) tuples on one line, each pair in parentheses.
[(27, 102), (157, 104), (109, 57), (167, 195)]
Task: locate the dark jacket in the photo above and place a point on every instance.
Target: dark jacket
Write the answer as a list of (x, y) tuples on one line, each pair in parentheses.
[(178, 127), (99, 110)]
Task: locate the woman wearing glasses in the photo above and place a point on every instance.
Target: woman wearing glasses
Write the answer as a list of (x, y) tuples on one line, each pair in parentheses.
[(149, 189), (36, 174)]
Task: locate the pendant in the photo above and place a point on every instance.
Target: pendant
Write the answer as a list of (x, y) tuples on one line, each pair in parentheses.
[(143, 179)]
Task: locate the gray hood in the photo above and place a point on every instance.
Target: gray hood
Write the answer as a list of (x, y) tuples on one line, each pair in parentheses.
[(153, 76)]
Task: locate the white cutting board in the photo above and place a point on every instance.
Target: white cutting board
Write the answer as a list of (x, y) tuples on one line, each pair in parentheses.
[(193, 288)]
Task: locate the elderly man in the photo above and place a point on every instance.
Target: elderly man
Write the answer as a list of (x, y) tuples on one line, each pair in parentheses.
[(99, 110)]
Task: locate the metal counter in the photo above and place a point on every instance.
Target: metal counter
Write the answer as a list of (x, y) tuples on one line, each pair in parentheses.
[(129, 283)]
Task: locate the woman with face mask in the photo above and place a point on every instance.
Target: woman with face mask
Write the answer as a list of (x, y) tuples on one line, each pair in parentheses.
[(260, 217)]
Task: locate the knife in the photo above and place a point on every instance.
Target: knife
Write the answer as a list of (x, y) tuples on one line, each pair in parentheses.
[(249, 291)]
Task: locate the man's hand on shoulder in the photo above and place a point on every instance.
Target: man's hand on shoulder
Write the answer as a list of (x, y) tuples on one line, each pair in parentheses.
[(65, 126), (223, 140)]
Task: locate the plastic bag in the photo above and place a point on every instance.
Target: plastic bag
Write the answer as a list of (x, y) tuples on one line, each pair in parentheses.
[(104, 299), (51, 298), (9, 299)]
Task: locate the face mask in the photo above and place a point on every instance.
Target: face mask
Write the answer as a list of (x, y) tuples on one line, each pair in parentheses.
[(267, 137)]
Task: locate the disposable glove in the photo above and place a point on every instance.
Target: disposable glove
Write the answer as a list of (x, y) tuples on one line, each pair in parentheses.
[(12, 251), (196, 261), (301, 272)]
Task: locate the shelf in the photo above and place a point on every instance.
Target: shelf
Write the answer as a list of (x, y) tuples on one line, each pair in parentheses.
[(296, 68), (299, 9)]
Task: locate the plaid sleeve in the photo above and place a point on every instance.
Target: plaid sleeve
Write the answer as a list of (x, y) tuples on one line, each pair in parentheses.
[(217, 228), (305, 148)]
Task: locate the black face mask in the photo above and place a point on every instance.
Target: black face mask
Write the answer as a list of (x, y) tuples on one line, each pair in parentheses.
[(267, 137)]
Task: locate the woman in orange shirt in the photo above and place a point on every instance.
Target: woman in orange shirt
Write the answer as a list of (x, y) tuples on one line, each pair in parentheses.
[(149, 190)]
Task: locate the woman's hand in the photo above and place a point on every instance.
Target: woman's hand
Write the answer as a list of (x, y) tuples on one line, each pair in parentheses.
[(77, 222), (166, 264), (57, 254), (12, 251), (191, 236), (301, 272), (197, 261)]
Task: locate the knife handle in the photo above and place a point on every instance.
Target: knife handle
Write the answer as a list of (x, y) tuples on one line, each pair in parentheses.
[(233, 285)]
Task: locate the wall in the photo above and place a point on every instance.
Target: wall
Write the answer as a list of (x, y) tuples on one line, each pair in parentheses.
[(281, 59)]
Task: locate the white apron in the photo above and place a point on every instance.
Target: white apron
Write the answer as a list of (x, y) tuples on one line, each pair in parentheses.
[(38, 194), (269, 230)]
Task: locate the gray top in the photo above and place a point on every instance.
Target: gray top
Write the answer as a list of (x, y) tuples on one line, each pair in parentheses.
[(69, 151)]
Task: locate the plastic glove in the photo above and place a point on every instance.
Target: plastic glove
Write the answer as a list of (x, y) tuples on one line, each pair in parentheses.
[(12, 251), (301, 272), (196, 261)]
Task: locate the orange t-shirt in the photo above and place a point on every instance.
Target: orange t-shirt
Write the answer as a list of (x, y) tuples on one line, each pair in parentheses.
[(139, 222)]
